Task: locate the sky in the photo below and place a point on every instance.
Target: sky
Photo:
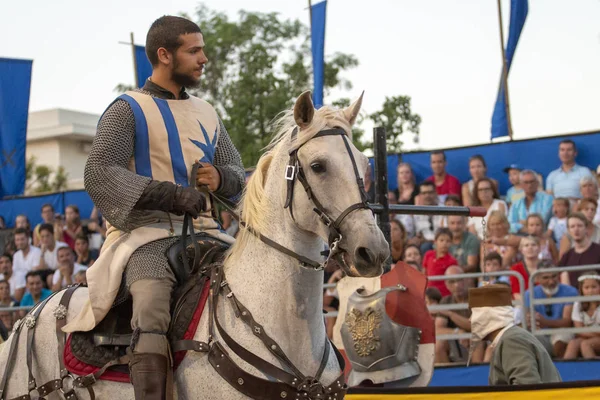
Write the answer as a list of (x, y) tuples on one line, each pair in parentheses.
[(444, 54)]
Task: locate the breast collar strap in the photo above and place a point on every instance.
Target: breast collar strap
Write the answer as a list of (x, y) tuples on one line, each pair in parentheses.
[(295, 171)]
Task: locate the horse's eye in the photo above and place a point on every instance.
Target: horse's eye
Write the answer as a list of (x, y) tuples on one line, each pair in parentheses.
[(317, 168)]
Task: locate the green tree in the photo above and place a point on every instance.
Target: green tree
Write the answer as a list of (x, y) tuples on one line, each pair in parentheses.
[(42, 179), (397, 118)]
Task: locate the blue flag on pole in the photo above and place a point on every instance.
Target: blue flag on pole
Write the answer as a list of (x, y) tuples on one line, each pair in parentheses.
[(317, 34), (15, 85), (143, 68), (518, 14)]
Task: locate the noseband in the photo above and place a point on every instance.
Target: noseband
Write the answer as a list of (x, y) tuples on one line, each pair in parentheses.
[(295, 171)]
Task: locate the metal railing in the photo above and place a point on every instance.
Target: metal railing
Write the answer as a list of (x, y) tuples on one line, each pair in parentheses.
[(558, 300)]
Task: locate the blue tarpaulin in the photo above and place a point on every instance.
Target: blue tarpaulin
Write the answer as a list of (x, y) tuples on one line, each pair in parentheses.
[(317, 26), (518, 14), (15, 84), (32, 206), (143, 68)]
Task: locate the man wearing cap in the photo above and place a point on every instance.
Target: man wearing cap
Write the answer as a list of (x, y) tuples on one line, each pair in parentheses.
[(518, 357), (515, 192)]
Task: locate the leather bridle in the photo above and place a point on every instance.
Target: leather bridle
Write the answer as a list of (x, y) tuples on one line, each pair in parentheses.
[(293, 172)]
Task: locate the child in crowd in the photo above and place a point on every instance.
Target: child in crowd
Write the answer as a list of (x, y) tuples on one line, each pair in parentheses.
[(493, 263), (412, 254), (586, 313), (451, 201), (557, 226), (436, 261), (535, 227), (432, 297), (515, 192)]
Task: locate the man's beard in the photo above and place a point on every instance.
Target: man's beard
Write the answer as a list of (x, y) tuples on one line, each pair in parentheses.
[(185, 80), (550, 292)]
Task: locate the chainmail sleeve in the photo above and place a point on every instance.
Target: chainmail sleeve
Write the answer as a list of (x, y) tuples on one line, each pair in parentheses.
[(229, 164), (113, 188)]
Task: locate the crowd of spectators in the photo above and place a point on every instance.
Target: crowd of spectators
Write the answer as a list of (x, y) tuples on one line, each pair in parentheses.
[(529, 228), (36, 261)]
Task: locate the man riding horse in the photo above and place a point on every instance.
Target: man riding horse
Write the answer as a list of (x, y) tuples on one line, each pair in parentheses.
[(138, 174)]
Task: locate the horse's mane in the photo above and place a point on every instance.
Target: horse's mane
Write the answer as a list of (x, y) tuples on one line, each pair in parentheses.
[(254, 207)]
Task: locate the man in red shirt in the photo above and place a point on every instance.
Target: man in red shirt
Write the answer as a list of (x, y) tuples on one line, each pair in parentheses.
[(445, 184)]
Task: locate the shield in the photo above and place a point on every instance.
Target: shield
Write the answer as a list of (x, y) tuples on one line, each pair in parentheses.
[(404, 307)]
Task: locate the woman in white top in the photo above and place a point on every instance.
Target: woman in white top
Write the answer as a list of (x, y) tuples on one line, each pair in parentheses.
[(478, 171), (486, 195), (584, 314)]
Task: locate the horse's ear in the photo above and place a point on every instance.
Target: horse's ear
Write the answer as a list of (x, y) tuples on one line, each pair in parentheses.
[(351, 112), (304, 111)]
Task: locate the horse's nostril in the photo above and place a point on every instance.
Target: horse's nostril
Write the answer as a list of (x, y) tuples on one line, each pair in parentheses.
[(365, 255)]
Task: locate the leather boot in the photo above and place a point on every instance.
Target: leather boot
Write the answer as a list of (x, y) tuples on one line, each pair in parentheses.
[(149, 376)]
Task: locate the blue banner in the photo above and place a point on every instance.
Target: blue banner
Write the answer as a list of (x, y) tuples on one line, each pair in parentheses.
[(317, 35), (143, 68), (15, 84), (518, 14)]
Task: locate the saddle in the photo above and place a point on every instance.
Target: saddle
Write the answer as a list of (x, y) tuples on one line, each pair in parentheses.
[(111, 337)]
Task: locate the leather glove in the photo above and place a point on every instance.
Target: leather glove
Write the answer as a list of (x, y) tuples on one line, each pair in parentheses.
[(188, 200)]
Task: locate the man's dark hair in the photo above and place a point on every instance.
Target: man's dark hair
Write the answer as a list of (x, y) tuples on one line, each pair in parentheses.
[(435, 152), (569, 141), (493, 256), (34, 274), (47, 205), (7, 255), (82, 236), (20, 231), (434, 294), (165, 32), (47, 227), (425, 184)]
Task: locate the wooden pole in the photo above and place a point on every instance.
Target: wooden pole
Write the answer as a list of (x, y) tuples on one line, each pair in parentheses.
[(135, 77), (504, 72)]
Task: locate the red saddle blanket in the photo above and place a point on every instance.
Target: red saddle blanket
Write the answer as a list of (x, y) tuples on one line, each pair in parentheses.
[(78, 367)]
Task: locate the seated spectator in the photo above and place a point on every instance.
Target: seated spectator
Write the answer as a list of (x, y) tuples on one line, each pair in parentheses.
[(445, 184), (407, 187), (564, 181), (535, 227), (16, 281), (67, 269), (588, 187), (6, 299), (586, 314), (556, 315), (22, 222), (85, 256), (454, 322), (492, 262), (406, 220), (530, 249), (27, 256), (97, 230), (465, 246), (451, 201), (81, 278), (412, 254), (588, 208), (7, 319), (515, 192), (426, 225), (584, 251), (497, 233), (432, 297), (485, 195), (478, 171), (435, 262), (35, 289), (557, 227), (47, 218), (49, 248), (534, 201), (398, 238), (73, 226)]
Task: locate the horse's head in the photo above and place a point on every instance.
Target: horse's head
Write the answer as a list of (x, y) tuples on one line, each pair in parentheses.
[(326, 197)]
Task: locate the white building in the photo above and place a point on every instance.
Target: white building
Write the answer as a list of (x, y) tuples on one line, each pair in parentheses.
[(60, 137)]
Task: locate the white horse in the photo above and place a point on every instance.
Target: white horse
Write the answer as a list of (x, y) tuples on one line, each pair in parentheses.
[(282, 296)]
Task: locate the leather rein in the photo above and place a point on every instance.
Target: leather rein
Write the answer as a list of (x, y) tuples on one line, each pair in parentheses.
[(293, 172)]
